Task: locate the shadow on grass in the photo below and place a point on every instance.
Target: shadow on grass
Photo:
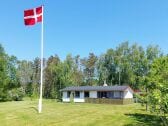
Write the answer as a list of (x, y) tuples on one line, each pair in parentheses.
[(145, 120), (34, 108)]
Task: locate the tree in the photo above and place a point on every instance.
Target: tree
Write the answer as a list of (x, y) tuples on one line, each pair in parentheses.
[(12, 72), (78, 76), (89, 68), (158, 88), (101, 69), (152, 53), (9, 81), (4, 80), (25, 73), (51, 85), (61, 74), (36, 67)]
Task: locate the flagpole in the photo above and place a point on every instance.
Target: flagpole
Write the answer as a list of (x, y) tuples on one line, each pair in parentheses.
[(41, 78)]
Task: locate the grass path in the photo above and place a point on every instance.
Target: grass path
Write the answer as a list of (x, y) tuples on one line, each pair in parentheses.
[(24, 113)]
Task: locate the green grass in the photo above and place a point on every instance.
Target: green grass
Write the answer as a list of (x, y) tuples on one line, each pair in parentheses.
[(24, 113)]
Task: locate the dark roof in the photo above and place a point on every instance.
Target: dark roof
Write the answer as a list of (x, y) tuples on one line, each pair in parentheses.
[(96, 88)]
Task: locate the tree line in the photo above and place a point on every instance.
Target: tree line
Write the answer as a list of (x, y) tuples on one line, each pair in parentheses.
[(125, 65), (145, 69)]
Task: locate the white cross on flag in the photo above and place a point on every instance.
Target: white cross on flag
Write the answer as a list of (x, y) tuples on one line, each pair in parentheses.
[(33, 16)]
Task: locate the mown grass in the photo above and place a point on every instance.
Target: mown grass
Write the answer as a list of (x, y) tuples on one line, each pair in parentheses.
[(24, 113)]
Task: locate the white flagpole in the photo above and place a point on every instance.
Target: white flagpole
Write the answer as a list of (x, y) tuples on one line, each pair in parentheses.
[(41, 78)]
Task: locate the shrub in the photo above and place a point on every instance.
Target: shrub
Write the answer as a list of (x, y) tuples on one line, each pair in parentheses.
[(16, 94)]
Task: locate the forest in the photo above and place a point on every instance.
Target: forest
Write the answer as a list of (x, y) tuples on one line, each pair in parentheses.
[(144, 69)]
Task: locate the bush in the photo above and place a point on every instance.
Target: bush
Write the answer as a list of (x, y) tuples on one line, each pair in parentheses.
[(16, 94)]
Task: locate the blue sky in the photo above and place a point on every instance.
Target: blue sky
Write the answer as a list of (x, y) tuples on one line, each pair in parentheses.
[(83, 26)]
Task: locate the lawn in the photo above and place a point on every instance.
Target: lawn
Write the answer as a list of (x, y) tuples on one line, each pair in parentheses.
[(24, 113)]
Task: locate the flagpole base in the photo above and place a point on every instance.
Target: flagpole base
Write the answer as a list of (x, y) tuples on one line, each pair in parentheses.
[(40, 106)]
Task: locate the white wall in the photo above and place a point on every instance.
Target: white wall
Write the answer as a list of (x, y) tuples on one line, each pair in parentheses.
[(81, 98), (128, 93), (64, 97), (65, 94), (92, 94)]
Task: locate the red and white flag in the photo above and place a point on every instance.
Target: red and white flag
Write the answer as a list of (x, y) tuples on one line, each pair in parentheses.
[(33, 16)]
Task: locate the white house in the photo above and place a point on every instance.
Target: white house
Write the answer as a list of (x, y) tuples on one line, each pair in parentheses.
[(98, 94)]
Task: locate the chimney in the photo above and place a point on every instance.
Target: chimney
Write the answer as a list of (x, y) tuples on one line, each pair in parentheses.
[(105, 83)]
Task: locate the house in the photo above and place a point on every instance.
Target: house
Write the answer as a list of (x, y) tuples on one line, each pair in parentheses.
[(98, 94)]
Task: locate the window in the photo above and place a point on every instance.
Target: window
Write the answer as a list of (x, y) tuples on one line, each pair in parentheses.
[(68, 94), (117, 94), (77, 94), (98, 94), (86, 94), (110, 94), (102, 94)]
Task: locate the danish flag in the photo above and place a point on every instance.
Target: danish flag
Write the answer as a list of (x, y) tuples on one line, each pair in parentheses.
[(33, 16)]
